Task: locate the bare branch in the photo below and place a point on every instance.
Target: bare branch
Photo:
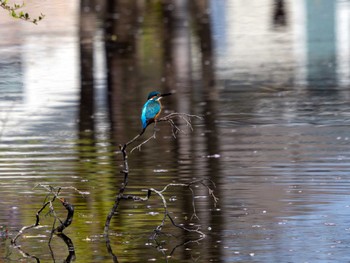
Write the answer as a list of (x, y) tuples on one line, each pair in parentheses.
[(51, 189), (125, 171), (69, 218), (170, 119), (54, 194), (194, 215), (144, 142), (20, 232)]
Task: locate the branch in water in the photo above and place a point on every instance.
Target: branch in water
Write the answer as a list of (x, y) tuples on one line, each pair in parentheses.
[(54, 194), (194, 215), (120, 196), (160, 193), (70, 213)]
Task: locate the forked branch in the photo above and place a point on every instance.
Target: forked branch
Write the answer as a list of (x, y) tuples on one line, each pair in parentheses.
[(52, 196), (194, 215), (175, 128)]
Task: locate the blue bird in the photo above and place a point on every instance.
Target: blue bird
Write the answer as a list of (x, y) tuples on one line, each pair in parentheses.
[(152, 108), (150, 112)]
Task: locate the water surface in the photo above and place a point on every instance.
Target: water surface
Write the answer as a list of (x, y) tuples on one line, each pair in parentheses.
[(274, 95)]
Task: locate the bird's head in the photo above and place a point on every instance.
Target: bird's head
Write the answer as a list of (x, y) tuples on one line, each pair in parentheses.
[(156, 95)]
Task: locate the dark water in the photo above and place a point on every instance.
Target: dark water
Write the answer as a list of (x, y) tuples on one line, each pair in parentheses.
[(270, 78)]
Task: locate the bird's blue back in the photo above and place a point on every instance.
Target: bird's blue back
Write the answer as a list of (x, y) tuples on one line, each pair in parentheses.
[(149, 111)]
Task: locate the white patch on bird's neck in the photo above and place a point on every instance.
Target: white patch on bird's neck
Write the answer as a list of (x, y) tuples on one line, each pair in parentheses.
[(155, 98)]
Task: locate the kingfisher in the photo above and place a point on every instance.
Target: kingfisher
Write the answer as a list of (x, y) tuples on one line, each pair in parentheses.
[(150, 112), (152, 108)]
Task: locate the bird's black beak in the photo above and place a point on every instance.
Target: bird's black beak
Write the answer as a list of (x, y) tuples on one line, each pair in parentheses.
[(165, 94)]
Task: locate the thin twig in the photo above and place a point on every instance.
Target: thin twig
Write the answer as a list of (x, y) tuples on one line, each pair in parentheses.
[(170, 119), (144, 142), (194, 215), (20, 232), (51, 189), (166, 213), (201, 234)]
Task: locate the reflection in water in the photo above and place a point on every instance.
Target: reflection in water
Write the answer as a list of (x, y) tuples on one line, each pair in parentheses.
[(321, 43), (70, 251), (269, 76), (70, 246), (87, 31), (122, 70), (279, 13)]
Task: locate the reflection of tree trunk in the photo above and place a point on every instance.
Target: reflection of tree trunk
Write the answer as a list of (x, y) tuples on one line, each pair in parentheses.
[(181, 50), (202, 21), (177, 50), (167, 35), (279, 15), (86, 107), (120, 25), (86, 111), (120, 37)]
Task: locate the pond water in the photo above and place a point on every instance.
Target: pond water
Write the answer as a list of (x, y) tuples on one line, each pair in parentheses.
[(271, 81)]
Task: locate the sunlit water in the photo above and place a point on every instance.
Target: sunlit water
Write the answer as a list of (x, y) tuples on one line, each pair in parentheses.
[(274, 139)]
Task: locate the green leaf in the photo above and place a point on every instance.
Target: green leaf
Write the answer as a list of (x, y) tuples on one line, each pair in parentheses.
[(13, 14)]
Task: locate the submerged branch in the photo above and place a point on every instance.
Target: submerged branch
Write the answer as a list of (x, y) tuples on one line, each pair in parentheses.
[(70, 213), (54, 194), (37, 215)]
